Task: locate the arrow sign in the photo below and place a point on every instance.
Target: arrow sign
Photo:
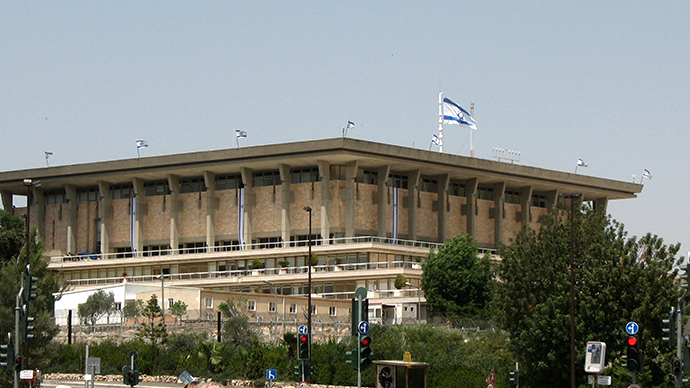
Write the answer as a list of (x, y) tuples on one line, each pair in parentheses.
[(632, 328), (302, 329), (363, 327), (271, 374)]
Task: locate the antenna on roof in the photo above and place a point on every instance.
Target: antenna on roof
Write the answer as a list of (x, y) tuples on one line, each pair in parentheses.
[(504, 153)]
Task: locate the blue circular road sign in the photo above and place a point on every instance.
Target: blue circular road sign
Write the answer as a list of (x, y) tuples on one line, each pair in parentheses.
[(363, 327), (302, 329), (632, 328)]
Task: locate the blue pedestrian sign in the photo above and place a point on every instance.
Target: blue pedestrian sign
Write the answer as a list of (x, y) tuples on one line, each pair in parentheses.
[(271, 374), (632, 328), (302, 329), (363, 327)]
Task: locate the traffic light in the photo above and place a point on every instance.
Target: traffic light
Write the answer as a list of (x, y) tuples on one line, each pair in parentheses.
[(18, 363), (298, 370), (685, 270), (128, 376), (26, 328), (514, 378), (135, 377), (669, 329), (303, 346), (7, 355), (676, 372), (633, 354), (29, 285), (365, 353), (354, 360)]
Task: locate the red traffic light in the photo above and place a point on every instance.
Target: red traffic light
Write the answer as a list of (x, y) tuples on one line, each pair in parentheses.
[(303, 338), (632, 341), (676, 363), (366, 341)]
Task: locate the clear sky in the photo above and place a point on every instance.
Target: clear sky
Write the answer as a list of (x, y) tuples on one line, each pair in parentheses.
[(606, 81)]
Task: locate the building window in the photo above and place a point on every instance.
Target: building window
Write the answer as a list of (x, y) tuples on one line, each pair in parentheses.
[(428, 185), (512, 196), (304, 175), (156, 250), (272, 307), (118, 306), (370, 177), (227, 182), (539, 200), (266, 178), (269, 242), (88, 195), (209, 303), (484, 192), (192, 185), (332, 311), (156, 188), (121, 191), (54, 197), (197, 247), (337, 173), (293, 308), (313, 309), (251, 305), (457, 189), (398, 180), (171, 302)]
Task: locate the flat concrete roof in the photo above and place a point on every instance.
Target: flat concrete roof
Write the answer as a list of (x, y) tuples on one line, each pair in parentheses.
[(338, 151)]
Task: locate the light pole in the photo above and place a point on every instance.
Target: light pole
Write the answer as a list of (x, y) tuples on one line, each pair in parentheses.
[(308, 210), (572, 196), (419, 302), (163, 296), (275, 303), (28, 183)]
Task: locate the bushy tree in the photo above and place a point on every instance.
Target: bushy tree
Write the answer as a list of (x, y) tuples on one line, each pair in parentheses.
[(152, 329), (617, 279), (97, 305), (456, 280)]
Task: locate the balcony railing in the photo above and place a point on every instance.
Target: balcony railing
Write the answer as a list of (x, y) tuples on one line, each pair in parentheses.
[(86, 256)]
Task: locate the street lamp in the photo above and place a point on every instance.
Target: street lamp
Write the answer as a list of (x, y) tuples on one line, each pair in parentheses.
[(419, 301), (572, 196), (163, 296), (308, 210), (275, 323)]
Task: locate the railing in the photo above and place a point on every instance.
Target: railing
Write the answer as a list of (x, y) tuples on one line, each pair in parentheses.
[(87, 256), (249, 272)]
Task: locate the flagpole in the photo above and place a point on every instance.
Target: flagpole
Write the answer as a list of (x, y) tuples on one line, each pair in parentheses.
[(471, 133), (138, 154), (440, 122)]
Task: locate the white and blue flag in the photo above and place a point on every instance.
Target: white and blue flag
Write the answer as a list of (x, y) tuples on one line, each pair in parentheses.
[(240, 133), (142, 144), (581, 163), (647, 174), (434, 140), (454, 114)]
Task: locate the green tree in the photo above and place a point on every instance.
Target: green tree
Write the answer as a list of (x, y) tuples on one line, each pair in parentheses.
[(97, 305), (178, 310), (456, 281), (236, 329), (617, 280), (400, 281), (133, 310), (152, 329), (12, 235)]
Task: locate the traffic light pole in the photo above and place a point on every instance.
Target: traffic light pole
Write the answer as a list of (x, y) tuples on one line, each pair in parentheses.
[(679, 335), (359, 344), (17, 309)]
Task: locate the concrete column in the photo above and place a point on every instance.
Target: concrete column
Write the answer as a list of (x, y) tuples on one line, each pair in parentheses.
[(174, 184), (139, 210), (382, 198), (7, 201), (499, 191), (471, 206), (349, 197), (600, 204), (248, 203), (525, 200), (442, 207), (39, 213), (551, 199), (211, 207), (412, 203), (286, 201), (105, 214), (325, 176), (71, 195)]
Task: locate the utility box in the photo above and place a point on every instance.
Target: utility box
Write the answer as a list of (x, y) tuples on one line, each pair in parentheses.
[(401, 374)]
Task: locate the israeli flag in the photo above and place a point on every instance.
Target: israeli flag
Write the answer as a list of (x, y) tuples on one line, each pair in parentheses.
[(350, 125), (434, 140), (240, 133), (647, 174), (454, 114), (581, 163), (142, 144)]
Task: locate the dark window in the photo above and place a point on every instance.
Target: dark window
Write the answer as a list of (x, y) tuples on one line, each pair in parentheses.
[(512, 196), (398, 180), (428, 185), (370, 177), (88, 195), (539, 200), (484, 192), (227, 182), (156, 188), (266, 178), (54, 197), (121, 191), (457, 189), (192, 185), (304, 175)]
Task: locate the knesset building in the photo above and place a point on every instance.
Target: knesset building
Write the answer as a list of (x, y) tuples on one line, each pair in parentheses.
[(240, 219)]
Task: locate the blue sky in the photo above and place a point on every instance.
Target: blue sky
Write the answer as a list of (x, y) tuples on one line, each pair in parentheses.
[(607, 82)]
